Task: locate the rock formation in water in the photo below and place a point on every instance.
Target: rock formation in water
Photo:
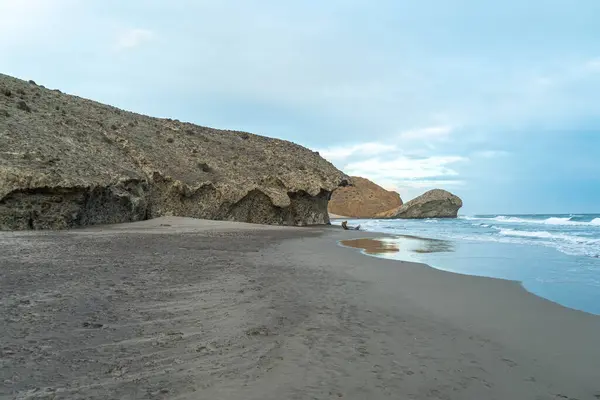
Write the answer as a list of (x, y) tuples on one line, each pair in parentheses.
[(364, 199), (435, 203), (67, 162)]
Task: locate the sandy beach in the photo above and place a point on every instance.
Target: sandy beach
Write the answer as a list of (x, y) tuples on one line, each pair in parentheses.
[(177, 308)]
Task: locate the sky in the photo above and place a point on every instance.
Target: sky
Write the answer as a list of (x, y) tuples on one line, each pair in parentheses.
[(497, 102)]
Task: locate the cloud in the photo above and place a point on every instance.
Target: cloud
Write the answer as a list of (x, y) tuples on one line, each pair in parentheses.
[(364, 149), (429, 133), (133, 38), (405, 168), (543, 81), (340, 153), (433, 183), (420, 184), (396, 164), (593, 65), (409, 189), (491, 153), (29, 20)]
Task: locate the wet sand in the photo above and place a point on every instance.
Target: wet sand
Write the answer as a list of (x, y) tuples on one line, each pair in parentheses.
[(371, 246), (188, 309)]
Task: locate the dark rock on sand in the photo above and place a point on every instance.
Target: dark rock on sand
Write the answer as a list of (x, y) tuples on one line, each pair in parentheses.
[(363, 199), (435, 203), (68, 162)]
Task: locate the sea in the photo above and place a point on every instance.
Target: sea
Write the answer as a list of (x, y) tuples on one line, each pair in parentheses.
[(555, 256)]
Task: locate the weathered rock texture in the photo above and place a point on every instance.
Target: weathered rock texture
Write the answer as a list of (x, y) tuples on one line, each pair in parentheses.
[(67, 162), (435, 203), (364, 199)]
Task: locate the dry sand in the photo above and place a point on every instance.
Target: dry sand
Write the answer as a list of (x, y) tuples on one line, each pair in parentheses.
[(187, 309)]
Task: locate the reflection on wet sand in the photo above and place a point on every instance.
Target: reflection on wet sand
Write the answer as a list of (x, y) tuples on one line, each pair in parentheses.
[(410, 244), (371, 246)]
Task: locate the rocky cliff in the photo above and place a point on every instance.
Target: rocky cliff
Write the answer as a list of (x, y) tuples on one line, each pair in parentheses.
[(435, 203), (364, 199), (67, 162)]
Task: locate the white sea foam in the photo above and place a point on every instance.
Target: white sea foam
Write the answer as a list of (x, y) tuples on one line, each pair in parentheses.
[(548, 221), (549, 235), (579, 238), (569, 244), (562, 221), (540, 234)]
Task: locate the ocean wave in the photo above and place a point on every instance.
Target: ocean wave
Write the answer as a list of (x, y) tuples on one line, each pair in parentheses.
[(540, 234), (549, 235), (567, 244), (547, 221), (578, 242), (569, 221)]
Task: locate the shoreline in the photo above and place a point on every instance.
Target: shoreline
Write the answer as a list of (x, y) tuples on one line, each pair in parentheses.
[(544, 269), (182, 308), (377, 235)]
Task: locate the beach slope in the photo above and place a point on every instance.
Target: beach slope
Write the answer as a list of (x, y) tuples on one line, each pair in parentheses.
[(177, 308)]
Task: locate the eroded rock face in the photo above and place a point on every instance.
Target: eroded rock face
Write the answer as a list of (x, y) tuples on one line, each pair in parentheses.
[(68, 162), (435, 203), (364, 199)]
